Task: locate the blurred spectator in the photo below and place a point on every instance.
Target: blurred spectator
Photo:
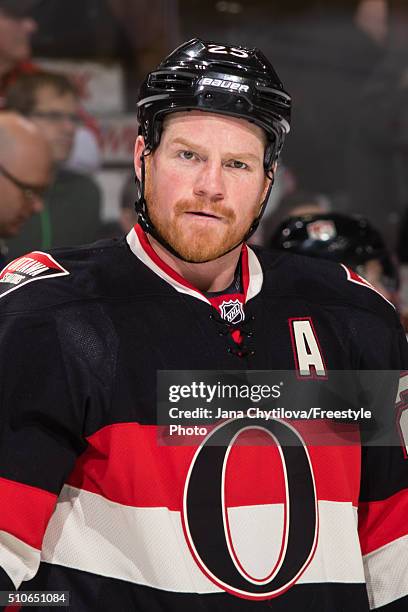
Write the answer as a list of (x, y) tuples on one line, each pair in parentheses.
[(86, 153), (150, 29), (133, 32), (16, 30), (72, 205), (127, 214), (371, 16), (25, 173), (347, 239), (378, 149)]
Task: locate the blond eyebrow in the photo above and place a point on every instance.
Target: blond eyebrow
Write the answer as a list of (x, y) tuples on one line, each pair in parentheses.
[(190, 145)]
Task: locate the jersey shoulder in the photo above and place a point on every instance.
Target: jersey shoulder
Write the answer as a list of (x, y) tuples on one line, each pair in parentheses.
[(40, 280), (321, 281)]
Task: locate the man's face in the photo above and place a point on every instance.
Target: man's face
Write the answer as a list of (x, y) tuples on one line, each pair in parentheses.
[(15, 35), (205, 182), (18, 204), (56, 115)]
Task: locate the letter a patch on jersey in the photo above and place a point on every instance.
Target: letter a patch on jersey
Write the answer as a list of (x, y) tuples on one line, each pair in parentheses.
[(31, 267), (306, 349)]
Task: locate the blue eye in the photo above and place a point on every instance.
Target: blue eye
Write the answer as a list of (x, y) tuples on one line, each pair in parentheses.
[(237, 165), (187, 155)]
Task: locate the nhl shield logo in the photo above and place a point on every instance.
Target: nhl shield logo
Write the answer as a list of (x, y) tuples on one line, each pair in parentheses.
[(232, 311)]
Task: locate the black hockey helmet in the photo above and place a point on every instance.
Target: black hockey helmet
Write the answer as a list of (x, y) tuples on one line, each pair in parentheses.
[(348, 239), (202, 75), (235, 81)]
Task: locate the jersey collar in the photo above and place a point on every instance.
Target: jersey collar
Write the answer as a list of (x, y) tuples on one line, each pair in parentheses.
[(252, 275)]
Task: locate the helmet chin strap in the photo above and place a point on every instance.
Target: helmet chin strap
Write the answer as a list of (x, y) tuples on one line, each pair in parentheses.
[(147, 224), (271, 176)]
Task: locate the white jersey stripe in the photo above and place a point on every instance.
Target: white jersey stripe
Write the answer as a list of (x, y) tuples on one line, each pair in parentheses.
[(147, 545), (255, 275), (386, 572), (138, 250), (18, 559)]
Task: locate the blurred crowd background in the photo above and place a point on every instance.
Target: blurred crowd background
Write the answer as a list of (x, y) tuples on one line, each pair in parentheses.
[(73, 69)]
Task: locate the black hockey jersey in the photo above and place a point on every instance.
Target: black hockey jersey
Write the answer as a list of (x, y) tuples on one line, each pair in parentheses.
[(92, 504)]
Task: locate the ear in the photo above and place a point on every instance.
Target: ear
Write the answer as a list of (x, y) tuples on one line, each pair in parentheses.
[(139, 148)]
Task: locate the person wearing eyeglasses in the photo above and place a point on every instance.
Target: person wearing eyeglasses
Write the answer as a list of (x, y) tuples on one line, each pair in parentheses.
[(25, 173), (71, 213)]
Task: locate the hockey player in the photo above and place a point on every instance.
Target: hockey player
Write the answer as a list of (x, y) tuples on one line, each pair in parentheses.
[(91, 502)]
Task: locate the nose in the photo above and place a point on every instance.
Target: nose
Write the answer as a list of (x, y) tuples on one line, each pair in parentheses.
[(209, 182)]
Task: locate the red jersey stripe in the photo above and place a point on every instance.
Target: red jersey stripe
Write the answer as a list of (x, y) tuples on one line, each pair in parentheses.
[(108, 468), (26, 511), (381, 522)]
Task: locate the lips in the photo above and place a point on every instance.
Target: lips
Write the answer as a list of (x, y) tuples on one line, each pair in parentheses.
[(203, 214), (204, 210)]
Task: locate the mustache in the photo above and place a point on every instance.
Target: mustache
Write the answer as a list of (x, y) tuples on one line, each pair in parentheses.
[(197, 205)]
